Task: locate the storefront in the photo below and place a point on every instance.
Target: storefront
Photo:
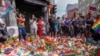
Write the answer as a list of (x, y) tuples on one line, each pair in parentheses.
[(29, 7)]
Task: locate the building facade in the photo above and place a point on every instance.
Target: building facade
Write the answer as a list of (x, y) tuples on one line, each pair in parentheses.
[(71, 10), (86, 6), (26, 7), (72, 13)]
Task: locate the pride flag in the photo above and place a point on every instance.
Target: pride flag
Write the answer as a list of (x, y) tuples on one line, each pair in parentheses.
[(96, 26), (7, 9)]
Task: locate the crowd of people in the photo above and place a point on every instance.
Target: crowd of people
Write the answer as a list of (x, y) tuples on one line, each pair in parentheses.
[(57, 32), (37, 26), (75, 26), (66, 26), (58, 27)]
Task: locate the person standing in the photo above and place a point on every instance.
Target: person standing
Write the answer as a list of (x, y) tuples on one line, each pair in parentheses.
[(82, 23), (62, 26), (40, 24), (89, 23), (51, 24), (33, 25), (43, 27), (56, 27), (75, 26), (21, 25), (59, 26), (67, 26)]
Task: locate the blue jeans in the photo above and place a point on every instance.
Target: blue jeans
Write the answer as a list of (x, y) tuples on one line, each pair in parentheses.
[(22, 32)]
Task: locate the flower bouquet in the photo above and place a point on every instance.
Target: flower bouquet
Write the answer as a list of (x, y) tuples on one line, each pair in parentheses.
[(38, 51), (28, 39), (70, 53), (32, 37), (49, 41), (58, 41)]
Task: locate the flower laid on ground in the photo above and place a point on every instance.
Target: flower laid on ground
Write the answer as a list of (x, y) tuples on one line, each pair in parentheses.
[(47, 46)]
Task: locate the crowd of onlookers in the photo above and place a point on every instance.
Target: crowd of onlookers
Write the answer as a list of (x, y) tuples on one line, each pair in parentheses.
[(62, 26), (58, 27), (76, 26), (72, 27)]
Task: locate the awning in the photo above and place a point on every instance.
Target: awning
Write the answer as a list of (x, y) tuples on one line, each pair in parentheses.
[(37, 2)]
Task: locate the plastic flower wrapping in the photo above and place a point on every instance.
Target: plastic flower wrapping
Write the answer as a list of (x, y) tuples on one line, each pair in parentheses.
[(40, 47), (49, 40)]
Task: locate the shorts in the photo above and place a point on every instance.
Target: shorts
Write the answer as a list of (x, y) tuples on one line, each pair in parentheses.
[(33, 31)]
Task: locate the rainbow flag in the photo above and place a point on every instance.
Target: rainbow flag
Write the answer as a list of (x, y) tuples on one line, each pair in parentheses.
[(96, 26), (7, 9)]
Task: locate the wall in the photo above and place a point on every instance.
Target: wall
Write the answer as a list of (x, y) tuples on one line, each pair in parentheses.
[(71, 10), (71, 13)]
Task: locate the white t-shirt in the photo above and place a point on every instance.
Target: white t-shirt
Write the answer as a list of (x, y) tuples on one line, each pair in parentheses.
[(34, 24)]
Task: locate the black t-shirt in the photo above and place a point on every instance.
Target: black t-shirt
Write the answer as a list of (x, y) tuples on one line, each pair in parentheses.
[(75, 23), (90, 23), (51, 22), (81, 22)]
